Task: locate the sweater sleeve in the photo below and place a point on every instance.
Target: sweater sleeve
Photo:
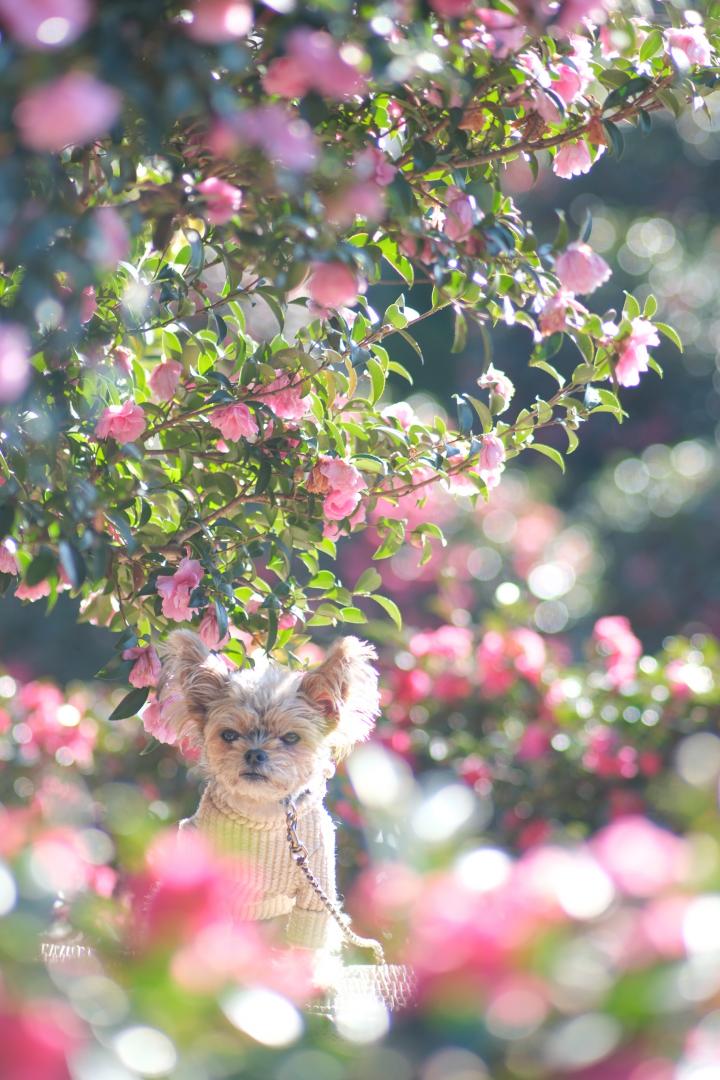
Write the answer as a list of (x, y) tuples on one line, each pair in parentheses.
[(309, 923)]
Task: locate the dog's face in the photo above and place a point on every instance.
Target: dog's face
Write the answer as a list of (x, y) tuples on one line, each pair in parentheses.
[(268, 733)]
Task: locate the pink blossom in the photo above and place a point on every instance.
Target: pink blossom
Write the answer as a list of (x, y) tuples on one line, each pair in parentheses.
[(459, 215), (327, 65), (503, 34), (156, 723), (492, 454), (553, 317), (37, 1038), (365, 200), (209, 630), (222, 200), (45, 24), (235, 422), (580, 269), (633, 357), (88, 304), (451, 9), (217, 21), (176, 588), (8, 561), (451, 643), (569, 83), (287, 77), (146, 669), (122, 358), (284, 398), (500, 387), (333, 285), (641, 858), (572, 159), (619, 645), (690, 45), (534, 743), (33, 592), (332, 531), (124, 423), (383, 170), (278, 131), (164, 379), (345, 483), (15, 351), (109, 241), (502, 657), (403, 412), (72, 110)]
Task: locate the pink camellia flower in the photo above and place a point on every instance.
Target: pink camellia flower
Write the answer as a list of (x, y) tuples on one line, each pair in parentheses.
[(332, 531), (500, 387), (614, 637), (164, 379), (210, 632), (45, 24), (689, 45), (15, 352), (124, 423), (451, 643), (8, 561), (572, 13), (222, 200), (156, 723), (146, 669), (109, 242), (553, 317), (492, 454), (33, 592), (642, 859), (176, 588), (284, 398), (580, 269), (572, 159), (286, 77), (342, 484), (88, 304), (403, 412), (280, 132), (333, 285), (502, 657), (216, 21), (459, 215), (70, 111), (633, 357), (331, 69), (235, 422)]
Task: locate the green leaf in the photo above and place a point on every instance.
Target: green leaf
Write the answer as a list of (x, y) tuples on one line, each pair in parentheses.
[(484, 414), (377, 379), (652, 44), (391, 608), (324, 579), (42, 565), (353, 614), (460, 334), (130, 704), (368, 582), (549, 452), (72, 563), (631, 308), (7, 517), (670, 333), (548, 369)]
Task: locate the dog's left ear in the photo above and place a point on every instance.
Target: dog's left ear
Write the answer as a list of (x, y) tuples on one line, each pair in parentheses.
[(344, 688)]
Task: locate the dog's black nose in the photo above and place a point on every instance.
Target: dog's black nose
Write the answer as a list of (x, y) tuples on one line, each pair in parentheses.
[(256, 757)]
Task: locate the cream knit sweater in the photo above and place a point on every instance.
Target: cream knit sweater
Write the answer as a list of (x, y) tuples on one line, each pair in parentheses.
[(266, 882)]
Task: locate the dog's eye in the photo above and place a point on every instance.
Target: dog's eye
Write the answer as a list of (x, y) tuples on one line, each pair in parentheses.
[(229, 735), (290, 738)]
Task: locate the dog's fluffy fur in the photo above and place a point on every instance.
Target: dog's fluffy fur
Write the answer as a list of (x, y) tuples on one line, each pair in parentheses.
[(329, 708)]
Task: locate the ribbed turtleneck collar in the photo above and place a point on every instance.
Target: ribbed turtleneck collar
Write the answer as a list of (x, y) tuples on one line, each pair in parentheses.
[(271, 815)]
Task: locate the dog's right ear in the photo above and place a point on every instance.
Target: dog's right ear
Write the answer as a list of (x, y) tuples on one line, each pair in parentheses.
[(192, 678)]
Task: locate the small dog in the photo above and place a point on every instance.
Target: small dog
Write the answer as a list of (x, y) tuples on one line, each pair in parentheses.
[(268, 737)]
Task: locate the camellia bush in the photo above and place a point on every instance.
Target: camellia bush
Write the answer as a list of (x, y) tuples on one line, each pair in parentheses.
[(196, 202)]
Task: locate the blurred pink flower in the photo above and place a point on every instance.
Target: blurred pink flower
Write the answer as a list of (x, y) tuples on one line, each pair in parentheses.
[(286, 399), (124, 423), (633, 357), (216, 21), (235, 422), (8, 561), (344, 485), (492, 454), (72, 110), (580, 269), (450, 643), (314, 61), (641, 858), (534, 742), (146, 669), (286, 77), (501, 657), (222, 200), (403, 412), (15, 351), (451, 9), (690, 45), (572, 13), (176, 588), (459, 215), (622, 650), (37, 1040), (553, 317), (45, 24), (502, 33), (572, 159), (209, 630), (333, 285), (164, 379), (283, 135), (33, 592), (109, 241)]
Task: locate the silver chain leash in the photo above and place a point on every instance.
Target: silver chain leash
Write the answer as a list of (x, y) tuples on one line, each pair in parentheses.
[(301, 857)]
